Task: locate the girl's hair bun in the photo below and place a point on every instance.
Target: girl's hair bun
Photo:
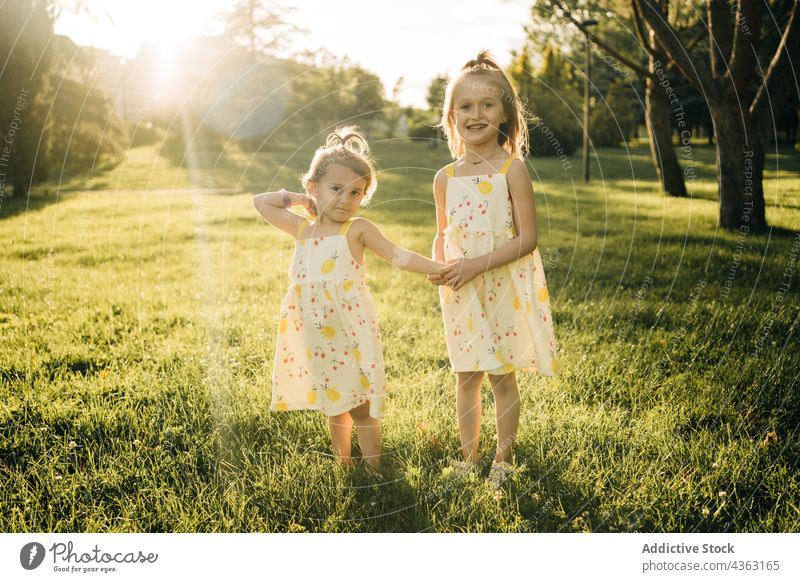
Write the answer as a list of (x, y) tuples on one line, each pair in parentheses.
[(348, 137)]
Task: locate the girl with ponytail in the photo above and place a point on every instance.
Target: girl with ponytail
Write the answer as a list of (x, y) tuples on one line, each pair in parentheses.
[(493, 293)]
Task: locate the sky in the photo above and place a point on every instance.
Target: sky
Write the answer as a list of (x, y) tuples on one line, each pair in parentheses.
[(416, 39)]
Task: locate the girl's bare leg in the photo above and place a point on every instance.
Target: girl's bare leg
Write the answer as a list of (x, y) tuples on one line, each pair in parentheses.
[(506, 403), (468, 406), (341, 428), (369, 435)]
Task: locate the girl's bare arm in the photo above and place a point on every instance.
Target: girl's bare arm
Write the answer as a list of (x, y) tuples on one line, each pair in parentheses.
[(372, 238), (274, 207)]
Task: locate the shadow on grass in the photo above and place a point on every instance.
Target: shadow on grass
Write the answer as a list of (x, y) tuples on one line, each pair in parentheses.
[(780, 232), (16, 205)]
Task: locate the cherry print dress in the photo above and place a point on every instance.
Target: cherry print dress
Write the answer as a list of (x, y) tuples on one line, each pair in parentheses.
[(500, 321), (328, 355)]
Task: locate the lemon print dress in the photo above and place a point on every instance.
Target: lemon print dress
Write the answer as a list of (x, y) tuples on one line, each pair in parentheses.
[(500, 321), (328, 355)]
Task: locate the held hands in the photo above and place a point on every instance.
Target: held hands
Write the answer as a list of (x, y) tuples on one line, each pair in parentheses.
[(436, 278), (456, 273)]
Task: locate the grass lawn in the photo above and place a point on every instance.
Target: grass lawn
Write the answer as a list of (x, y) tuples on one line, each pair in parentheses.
[(138, 328)]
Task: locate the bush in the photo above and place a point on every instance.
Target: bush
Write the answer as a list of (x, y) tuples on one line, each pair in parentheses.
[(614, 121), (556, 129), (421, 125), (86, 132), (552, 95)]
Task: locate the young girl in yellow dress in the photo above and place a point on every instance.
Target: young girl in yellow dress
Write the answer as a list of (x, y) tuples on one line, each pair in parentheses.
[(328, 353), (494, 297)]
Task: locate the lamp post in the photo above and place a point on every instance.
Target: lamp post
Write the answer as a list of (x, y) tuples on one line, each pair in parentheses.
[(586, 82)]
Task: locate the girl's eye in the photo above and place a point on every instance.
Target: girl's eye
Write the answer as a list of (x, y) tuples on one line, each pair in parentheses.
[(355, 193), (464, 107), (335, 188)]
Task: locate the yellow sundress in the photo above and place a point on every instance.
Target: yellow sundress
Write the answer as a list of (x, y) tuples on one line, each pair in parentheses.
[(500, 321), (328, 354)]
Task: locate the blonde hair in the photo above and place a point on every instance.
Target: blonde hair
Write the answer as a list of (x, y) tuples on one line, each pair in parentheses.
[(348, 147), (513, 134)]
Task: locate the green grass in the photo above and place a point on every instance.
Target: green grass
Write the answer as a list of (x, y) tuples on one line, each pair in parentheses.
[(138, 334)]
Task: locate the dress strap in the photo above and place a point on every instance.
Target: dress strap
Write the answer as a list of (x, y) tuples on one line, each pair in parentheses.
[(346, 226), (302, 227), (504, 168), (450, 170)]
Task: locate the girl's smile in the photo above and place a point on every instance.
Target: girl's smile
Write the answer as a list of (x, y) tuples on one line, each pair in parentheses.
[(476, 128), (478, 111)]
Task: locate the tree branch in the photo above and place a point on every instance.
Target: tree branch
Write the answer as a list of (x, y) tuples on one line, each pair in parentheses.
[(641, 30), (781, 67), (692, 43), (695, 72), (697, 38), (606, 47)]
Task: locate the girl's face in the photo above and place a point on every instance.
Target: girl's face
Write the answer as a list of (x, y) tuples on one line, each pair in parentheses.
[(338, 193), (478, 108)]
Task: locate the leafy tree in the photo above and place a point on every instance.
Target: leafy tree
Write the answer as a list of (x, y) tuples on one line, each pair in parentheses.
[(435, 97), (739, 98), (26, 26), (614, 119), (86, 131), (625, 54), (422, 127), (425, 124), (552, 97), (334, 91), (259, 25), (392, 112)]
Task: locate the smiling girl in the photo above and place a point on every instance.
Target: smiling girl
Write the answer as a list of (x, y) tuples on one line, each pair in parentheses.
[(494, 297)]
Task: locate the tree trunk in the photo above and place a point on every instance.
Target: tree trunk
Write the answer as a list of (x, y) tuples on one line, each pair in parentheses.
[(20, 187), (659, 128), (738, 93), (740, 170)]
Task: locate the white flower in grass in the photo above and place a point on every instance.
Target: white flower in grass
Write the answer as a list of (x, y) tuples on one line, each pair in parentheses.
[(72, 444), (137, 442)]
